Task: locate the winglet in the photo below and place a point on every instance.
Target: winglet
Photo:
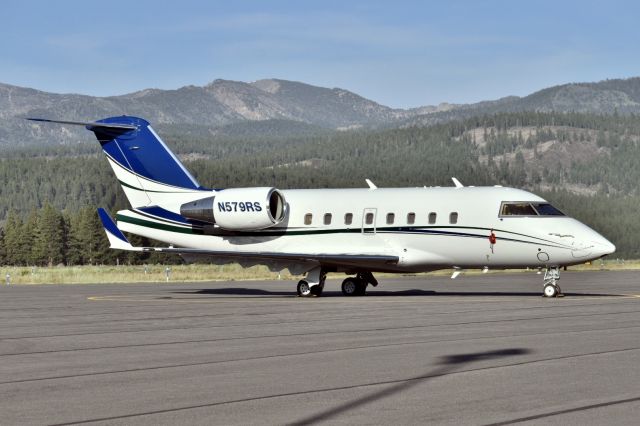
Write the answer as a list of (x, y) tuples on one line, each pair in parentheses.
[(457, 183), (117, 239)]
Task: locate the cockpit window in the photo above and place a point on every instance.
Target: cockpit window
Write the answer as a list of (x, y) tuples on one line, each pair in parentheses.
[(517, 209), (546, 209), (522, 208)]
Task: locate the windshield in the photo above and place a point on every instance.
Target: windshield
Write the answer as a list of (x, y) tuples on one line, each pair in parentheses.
[(526, 208)]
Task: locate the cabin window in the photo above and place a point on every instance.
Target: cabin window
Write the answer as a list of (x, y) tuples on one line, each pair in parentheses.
[(308, 218), (432, 218), (453, 218), (368, 219), (411, 218), (348, 218), (327, 218), (391, 217)]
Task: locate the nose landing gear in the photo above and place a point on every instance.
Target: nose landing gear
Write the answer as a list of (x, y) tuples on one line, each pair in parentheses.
[(550, 282)]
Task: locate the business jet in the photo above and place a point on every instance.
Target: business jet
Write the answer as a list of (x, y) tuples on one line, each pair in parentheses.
[(312, 232)]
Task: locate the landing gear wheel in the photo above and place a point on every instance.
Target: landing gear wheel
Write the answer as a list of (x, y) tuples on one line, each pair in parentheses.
[(350, 287), (303, 289), (316, 290), (551, 290), (354, 287), (362, 288), (550, 283)]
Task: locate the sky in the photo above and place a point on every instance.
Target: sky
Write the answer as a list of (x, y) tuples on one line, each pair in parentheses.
[(398, 53)]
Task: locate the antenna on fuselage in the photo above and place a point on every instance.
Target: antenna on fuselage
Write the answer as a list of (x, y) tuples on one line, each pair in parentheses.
[(456, 272), (457, 183)]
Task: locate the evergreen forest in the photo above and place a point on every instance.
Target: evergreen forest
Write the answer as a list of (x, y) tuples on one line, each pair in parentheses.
[(588, 165)]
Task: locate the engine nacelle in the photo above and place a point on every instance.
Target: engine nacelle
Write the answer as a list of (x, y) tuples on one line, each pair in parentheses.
[(239, 209)]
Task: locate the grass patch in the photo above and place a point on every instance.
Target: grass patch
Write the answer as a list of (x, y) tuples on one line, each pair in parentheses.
[(137, 273), (202, 272)]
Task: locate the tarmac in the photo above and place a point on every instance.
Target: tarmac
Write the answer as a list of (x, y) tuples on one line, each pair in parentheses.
[(482, 350)]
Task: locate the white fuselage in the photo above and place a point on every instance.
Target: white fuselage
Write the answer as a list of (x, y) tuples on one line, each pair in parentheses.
[(427, 228)]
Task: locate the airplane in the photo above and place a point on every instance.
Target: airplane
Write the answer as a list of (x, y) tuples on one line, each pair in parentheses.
[(357, 231)]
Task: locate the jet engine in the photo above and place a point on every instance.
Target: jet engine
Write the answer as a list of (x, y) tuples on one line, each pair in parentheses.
[(239, 209)]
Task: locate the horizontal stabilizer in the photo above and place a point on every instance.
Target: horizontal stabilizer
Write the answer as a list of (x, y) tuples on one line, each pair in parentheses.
[(117, 239), (89, 124)]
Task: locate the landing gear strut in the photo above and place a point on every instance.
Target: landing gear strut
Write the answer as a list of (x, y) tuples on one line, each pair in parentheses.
[(313, 283), (357, 286), (550, 283)]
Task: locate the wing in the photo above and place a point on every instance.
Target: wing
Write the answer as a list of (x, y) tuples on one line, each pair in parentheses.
[(118, 240)]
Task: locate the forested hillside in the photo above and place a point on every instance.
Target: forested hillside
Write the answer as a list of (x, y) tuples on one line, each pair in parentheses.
[(587, 164)]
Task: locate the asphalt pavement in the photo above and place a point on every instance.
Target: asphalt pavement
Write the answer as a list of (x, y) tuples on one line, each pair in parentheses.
[(484, 349)]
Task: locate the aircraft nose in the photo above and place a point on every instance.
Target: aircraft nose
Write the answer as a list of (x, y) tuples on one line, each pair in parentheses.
[(609, 247), (604, 246)]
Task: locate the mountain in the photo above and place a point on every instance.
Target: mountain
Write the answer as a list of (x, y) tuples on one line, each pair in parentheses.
[(282, 107), (605, 97), (218, 104)]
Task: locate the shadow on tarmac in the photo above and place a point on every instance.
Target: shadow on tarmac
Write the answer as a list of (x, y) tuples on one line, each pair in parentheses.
[(242, 291), (447, 365), (237, 291)]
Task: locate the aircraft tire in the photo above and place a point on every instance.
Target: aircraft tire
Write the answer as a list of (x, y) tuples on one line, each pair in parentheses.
[(362, 288), (303, 289), (316, 290), (550, 290), (350, 287)]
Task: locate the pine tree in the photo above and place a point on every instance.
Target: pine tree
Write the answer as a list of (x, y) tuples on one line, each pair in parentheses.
[(75, 254), (49, 244), (3, 251), (13, 239), (27, 239), (88, 243)]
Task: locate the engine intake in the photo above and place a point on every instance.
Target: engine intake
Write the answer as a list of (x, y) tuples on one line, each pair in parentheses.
[(239, 209)]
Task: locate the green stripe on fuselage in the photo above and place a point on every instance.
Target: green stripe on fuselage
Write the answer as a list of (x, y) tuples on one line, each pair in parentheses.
[(156, 225), (278, 233)]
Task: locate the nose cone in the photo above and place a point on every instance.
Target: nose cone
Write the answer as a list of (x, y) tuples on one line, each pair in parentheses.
[(602, 246), (596, 244), (606, 247)]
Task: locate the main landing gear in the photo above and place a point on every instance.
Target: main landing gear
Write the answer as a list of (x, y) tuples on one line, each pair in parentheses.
[(357, 286), (550, 283), (313, 283)]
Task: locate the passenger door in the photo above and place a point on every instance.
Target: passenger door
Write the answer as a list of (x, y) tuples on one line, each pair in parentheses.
[(369, 221)]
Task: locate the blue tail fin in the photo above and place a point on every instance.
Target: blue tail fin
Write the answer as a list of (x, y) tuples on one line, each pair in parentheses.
[(150, 174), (142, 152)]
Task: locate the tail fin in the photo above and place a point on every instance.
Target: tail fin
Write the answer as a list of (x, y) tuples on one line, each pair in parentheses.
[(147, 170)]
